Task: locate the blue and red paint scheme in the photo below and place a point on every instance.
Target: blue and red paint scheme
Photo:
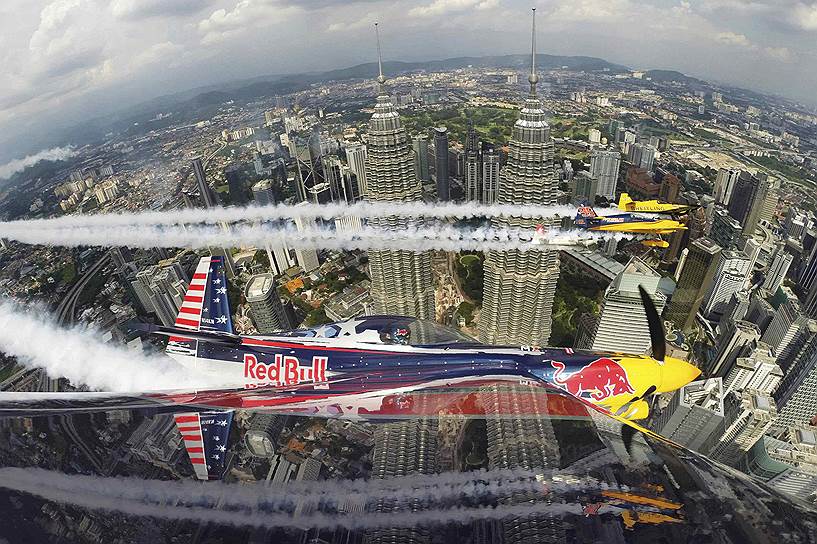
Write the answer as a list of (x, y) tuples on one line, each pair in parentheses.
[(372, 366)]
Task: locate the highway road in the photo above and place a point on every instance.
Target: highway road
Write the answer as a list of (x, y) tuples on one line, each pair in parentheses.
[(67, 311)]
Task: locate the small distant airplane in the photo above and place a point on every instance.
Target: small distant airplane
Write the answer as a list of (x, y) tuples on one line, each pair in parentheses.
[(627, 204), (650, 227)]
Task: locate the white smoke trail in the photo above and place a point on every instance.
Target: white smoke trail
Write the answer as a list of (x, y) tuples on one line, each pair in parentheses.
[(441, 237), (77, 354), (130, 496), (18, 165), (303, 211)]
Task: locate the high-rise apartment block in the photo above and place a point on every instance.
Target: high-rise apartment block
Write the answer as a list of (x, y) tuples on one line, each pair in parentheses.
[(604, 166), (266, 310)]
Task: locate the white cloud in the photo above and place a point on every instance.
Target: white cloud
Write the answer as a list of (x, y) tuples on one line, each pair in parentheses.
[(224, 24), (141, 9), (783, 54), (443, 7), (804, 16), (731, 38)]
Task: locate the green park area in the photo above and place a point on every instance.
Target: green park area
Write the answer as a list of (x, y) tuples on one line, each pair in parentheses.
[(575, 295), (492, 124), (470, 276)]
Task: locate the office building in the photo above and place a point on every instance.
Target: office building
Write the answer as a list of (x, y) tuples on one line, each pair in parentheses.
[(441, 163), (670, 187), (745, 204), (785, 324), (725, 184), (726, 230), (266, 310), (796, 396), (604, 166), (694, 414), (160, 290), (730, 277), (236, 187), (490, 173), (307, 258), (520, 285), (622, 321), (768, 205), (356, 158), (747, 416), (757, 370), (263, 193), (777, 270), (788, 463), (693, 283), (401, 280), (419, 146), (737, 339), (594, 136)]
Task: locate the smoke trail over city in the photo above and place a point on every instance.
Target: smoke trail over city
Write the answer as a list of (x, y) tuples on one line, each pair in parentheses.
[(18, 165), (260, 506), (303, 211), (78, 354), (368, 238)]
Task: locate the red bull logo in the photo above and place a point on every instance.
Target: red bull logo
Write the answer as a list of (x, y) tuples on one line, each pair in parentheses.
[(285, 370), (601, 379)]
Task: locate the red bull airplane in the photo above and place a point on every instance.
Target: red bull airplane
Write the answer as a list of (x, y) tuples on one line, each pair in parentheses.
[(648, 229), (364, 368)]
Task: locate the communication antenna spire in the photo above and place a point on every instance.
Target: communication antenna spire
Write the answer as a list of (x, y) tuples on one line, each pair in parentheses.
[(533, 78), (380, 79)]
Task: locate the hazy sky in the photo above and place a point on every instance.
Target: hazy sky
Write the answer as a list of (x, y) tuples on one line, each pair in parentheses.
[(67, 59)]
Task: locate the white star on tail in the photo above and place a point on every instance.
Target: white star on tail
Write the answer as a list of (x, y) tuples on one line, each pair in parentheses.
[(221, 319)]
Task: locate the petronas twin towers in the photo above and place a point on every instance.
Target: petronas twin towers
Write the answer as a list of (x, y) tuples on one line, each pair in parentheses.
[(519, 286)]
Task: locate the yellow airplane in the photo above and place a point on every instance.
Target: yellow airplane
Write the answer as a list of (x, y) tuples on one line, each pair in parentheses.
[(652, 228), (627, 204)]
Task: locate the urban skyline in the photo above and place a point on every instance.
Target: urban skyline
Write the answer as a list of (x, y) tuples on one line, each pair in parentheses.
[(735, 289)]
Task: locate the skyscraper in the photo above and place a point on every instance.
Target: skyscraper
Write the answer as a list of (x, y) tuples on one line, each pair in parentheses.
[(693, 415), (420, 147), (266, 310), (401, 280), (693, 282), (736, 340), (622, 322), (356, 157), (473, 167), (490, 173), (604, 166), (725, 184), (730, 277), (789, 465), (642, 156), (777, 270), (785, 324), (797, 395), (755, 371), (238, 191), (747, 416), (441, 166), (263, 193), (520, 286), (745, 203)]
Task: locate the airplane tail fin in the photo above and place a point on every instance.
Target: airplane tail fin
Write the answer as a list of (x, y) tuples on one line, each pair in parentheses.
[(624, 202), (583, 215), (206, 436), (205, 306)]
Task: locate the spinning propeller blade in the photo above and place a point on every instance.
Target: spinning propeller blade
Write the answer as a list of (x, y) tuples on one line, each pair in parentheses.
[(657, 334)]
